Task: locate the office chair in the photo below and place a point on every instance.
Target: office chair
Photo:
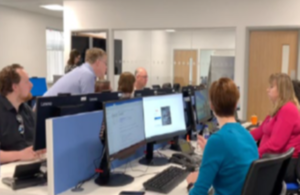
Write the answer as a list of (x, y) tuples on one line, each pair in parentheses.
[(155, 87), (265, 175), (294, 188), (167, 86), (176, 87)]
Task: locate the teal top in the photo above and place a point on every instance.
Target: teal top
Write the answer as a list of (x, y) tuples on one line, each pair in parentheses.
[(226, 160)]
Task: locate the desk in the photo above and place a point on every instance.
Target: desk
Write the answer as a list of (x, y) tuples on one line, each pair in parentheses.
[(90, 188), (246, 124)]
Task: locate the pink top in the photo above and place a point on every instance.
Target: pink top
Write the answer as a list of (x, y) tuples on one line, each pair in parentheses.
[(280, 133)]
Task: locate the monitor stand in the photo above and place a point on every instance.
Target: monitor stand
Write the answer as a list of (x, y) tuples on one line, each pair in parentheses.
[(110, 179), (175, 144), (114, 180), (150, 160)]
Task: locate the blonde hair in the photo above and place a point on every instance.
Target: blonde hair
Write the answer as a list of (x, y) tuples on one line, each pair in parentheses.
[(285, 90), (93, 54)]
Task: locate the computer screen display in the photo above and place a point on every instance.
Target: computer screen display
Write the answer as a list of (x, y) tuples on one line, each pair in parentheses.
[(203, 112), (164, 115), (39, 86), (125, 125)]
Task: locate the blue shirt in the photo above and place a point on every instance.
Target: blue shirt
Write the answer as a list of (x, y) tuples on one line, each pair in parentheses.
[(81, 80), (226, 160)]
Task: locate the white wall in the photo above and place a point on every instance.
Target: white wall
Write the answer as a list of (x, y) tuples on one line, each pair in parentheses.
[(148, 49), (23, 39), (137, 14)]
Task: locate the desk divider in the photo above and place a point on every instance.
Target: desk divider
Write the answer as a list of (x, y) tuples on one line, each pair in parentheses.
[(73, 145)]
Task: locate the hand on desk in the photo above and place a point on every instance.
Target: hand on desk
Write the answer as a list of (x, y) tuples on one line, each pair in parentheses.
[(28, 154), (201, 142)]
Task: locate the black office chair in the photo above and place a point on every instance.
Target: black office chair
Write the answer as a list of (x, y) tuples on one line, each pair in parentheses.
[(265, 176), (176, 87), (167, 86), (155, 87)]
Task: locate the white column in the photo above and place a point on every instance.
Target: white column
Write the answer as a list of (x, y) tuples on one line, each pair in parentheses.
[(241, 67), (110, 51)]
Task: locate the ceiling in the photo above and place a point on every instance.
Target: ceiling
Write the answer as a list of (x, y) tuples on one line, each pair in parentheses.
[(34, 6)]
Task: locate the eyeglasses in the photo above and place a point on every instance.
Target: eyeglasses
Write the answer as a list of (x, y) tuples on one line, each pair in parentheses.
[(21, 128)]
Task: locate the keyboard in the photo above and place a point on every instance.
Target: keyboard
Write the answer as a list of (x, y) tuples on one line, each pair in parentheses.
[(166, 181)]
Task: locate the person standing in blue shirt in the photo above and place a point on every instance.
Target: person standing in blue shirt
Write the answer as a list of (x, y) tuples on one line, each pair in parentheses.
[(229, 152), (82, 79)]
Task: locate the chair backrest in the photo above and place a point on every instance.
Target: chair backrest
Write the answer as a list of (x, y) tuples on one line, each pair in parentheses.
[(265, 175), (176, 87), (167, 85), (155, 87)]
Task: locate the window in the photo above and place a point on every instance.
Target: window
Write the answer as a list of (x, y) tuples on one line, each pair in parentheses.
[(55, 52)]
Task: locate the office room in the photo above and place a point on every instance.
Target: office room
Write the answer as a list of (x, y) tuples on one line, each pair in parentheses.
[(149, 97)]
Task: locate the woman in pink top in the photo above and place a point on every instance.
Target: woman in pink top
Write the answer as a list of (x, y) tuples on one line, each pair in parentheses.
[(280, 131)]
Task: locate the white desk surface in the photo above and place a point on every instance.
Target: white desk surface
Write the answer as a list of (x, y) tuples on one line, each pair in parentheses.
[(90, 188)]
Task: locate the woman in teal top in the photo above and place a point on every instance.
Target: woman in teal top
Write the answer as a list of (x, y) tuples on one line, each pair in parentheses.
[(229, 152)]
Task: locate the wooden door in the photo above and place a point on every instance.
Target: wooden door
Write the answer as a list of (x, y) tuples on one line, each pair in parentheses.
[(182, 66), (265, 58)]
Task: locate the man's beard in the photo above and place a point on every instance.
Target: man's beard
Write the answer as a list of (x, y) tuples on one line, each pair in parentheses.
[(27, 98)]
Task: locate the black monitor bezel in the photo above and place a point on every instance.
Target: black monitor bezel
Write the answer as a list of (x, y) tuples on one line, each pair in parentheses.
[(144, 93)]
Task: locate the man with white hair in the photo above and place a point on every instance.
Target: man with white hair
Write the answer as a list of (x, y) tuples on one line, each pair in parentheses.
[(141, 78)]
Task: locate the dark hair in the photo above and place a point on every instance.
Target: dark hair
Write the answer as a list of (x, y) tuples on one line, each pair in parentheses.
[(73, 55), (224, 96), (8, 77), (101, 86), (126, 82), (296, 85)]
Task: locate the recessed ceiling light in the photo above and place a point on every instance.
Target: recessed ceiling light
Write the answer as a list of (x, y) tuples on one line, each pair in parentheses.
[(170, 30), (53, 7)]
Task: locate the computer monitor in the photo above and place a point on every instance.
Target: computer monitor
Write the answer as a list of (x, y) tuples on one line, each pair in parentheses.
[(189, 100), (164, 91), (164, 120), (124, 119), (164, 117), (144, 93), (39, 86), (203, 111), (96, 100), (49, 107), (125, 133)]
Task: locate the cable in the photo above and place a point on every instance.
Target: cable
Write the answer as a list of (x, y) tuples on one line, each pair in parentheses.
[(161, 154), (122, 172), (78, 187), (142, 175), (144, 171)]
